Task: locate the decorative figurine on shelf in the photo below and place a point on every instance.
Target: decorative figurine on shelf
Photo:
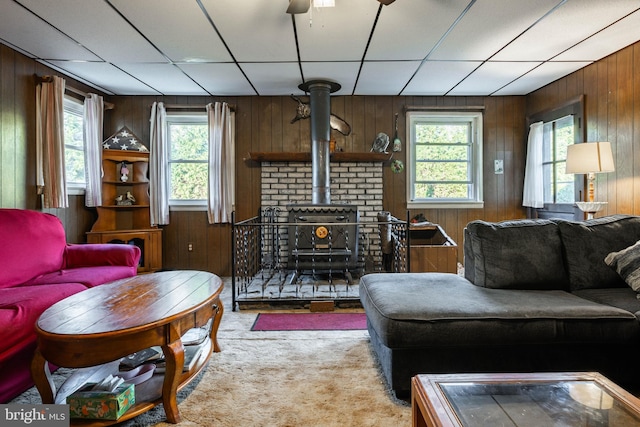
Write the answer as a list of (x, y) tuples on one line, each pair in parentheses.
[(380, 144), (125, 199), (124, 172)]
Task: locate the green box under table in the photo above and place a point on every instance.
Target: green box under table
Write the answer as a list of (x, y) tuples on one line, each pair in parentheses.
[(102, 405)]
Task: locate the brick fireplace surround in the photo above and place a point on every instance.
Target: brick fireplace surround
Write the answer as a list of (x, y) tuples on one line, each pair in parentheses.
[(356, 183), (284, 183)]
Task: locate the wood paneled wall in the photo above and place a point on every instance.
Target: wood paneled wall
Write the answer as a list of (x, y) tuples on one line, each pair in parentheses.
[(612, 96), (611, 89), (17, 143), (264, 124)]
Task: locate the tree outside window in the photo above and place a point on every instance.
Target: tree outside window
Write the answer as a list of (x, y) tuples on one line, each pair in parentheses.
[(188, 159), (445, 159), (74, 144), (558, 185)]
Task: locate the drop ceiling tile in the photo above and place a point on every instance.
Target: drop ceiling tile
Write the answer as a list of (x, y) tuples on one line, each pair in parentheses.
[(469, 40), (255, 31), (182, 31), (219, 79), (438, 77), (344, 73), (337, 33), (274, 78), (384, 78), (569, 24), (410, 29), (167, 79), (541, 76), (621, 34), (106, 75), (492, 76), (35, 38), (102, 31)]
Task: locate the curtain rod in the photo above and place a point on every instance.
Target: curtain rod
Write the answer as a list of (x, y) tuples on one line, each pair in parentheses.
[(48, 79), (192, 107)]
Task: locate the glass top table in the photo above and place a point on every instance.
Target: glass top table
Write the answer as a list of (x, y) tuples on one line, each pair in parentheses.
[(522, 400)]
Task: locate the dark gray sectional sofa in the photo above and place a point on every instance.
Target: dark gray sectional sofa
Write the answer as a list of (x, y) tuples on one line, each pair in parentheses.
[(536, 296)]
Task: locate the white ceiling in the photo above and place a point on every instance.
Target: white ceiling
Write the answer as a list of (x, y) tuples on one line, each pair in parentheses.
[(253, 47)]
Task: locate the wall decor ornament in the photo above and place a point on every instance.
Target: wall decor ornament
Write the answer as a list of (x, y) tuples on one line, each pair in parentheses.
[(381, 143), (397, 166), (397, 143)]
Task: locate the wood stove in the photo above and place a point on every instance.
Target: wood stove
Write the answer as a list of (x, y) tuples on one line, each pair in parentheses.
[(323, 238)]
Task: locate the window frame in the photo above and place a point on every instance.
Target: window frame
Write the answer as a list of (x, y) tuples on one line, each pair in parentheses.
[(550, 129), (475, 174), (74, 106), (184, 118), (575, 107)]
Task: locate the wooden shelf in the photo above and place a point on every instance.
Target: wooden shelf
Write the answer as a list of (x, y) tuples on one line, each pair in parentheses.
[(338, 156)]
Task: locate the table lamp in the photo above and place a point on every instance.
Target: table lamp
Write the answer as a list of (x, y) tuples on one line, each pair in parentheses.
[(590, 158)]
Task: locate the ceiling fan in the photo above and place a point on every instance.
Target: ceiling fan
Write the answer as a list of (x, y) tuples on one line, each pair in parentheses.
[(302, 6)]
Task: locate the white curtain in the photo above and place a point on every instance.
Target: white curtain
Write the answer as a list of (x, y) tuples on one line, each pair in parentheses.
[(50, 166), (533, 193), (93, 119), (221, 163), (158, 164)]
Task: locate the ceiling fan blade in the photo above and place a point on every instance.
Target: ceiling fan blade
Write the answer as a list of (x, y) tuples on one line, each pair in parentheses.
[(386, 2), (298, 6)]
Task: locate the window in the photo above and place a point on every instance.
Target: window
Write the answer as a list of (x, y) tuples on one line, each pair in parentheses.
[(188, 137), (558, 186), (562, 127), (74, 145), (445, 160)]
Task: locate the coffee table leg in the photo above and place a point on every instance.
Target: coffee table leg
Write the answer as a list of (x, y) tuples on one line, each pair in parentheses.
[(174, 357), (217, 317), (42, 377)]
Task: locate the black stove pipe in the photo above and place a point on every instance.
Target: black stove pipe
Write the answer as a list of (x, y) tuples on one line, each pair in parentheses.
[(320, 104)]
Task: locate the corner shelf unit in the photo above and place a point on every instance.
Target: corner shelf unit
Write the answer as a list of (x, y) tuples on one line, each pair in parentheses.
[(127, 224)]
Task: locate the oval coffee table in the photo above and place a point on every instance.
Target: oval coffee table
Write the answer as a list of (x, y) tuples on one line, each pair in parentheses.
[(110, 321)]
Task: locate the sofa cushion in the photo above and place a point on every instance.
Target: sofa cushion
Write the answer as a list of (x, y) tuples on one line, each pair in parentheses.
[(95, 254), (88, 276), (414, 310), (624, 298), (627, 264), (587, 243), (33, 243), (521, 254), (21, 307)]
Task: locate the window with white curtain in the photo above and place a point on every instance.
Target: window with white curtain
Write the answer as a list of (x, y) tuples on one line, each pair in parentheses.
[(562, 126), (557, 136), (445, 160), (74, 154), (187, 136)]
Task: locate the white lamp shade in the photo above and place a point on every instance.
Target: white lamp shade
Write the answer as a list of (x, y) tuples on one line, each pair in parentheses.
[(590, 157)]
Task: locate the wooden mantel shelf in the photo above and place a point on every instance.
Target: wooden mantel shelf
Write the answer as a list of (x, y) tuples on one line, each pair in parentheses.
[(338, 156)]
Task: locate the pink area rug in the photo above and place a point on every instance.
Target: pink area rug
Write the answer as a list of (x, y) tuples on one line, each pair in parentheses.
[(309, 322)]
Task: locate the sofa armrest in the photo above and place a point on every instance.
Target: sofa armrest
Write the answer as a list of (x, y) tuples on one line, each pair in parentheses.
[(95, 254)]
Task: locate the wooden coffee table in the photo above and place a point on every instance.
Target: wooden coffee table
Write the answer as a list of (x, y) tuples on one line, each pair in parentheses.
[(521, 400), (110, 321)]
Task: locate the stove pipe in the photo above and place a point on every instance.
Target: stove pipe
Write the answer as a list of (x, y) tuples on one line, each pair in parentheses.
[(320, 104)]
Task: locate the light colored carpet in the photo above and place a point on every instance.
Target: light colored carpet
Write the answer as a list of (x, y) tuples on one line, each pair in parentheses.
[(283, 378)]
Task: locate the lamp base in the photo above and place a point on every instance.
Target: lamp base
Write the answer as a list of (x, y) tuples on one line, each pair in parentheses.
[(590, 207)]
